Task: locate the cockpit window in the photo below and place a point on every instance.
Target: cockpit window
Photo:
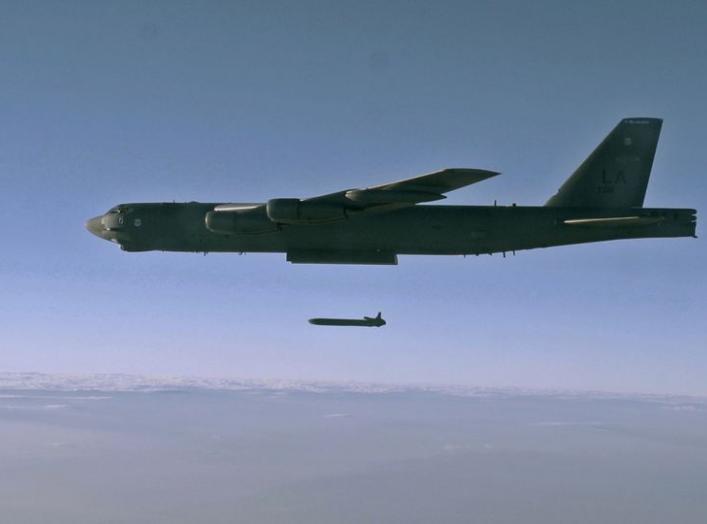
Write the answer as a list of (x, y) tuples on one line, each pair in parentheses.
[(120, 209)]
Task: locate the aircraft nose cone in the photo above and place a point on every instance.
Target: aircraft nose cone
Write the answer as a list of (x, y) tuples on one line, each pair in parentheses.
[(95, 226)]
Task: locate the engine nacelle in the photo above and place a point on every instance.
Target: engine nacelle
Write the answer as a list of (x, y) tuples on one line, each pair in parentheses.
[(295, 211), (239, 222)]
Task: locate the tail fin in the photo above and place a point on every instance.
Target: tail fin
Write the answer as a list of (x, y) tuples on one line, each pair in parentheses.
[(616, 173), (378, 316)]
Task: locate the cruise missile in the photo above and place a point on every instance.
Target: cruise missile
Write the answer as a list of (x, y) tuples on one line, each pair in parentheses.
[(376, 321)]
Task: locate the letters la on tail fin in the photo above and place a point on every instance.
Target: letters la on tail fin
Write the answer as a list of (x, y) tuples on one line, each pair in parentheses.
[(616, 173)]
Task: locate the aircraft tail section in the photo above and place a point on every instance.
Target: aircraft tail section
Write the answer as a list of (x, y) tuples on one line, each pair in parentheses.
[(616, 173)]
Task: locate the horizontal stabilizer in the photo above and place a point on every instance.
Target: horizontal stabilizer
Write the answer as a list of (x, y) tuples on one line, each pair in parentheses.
[(613, 221)]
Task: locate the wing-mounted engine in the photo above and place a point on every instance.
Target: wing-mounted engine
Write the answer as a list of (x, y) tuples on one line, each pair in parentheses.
[(239, 219), (250, 219), (296, 211)]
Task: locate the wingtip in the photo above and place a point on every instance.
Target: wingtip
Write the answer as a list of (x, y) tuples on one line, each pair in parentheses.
[(473, 171)]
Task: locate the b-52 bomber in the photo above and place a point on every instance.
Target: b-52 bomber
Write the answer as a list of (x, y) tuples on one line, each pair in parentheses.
[(601, 200)]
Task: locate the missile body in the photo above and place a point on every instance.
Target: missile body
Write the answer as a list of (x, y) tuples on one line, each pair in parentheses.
[(364, 322)]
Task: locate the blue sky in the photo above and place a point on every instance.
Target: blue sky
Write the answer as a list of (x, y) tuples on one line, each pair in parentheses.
[(109, 102)]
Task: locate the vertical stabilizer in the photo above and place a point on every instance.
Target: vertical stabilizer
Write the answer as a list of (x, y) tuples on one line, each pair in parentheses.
[(616, 173)]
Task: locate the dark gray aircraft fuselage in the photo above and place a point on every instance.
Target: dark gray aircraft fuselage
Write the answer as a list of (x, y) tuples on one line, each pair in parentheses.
[(418, 230), (601, 200)]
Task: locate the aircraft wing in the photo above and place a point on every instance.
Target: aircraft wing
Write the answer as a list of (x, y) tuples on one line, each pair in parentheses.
[(425, 188)]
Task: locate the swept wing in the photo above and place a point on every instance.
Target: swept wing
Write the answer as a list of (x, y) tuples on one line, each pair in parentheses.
[(424, 188)]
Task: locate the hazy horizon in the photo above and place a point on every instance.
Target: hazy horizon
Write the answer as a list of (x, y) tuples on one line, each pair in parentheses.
[(126, 382)]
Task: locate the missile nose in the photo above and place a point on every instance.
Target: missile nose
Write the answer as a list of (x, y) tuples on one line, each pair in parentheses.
[(95, 226)]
